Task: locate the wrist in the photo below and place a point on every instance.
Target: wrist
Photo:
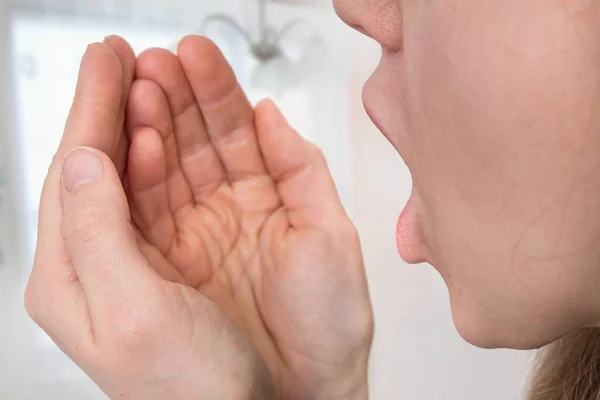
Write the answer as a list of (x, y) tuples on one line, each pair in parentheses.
[(354, 391), (355, 387), (361, 393)]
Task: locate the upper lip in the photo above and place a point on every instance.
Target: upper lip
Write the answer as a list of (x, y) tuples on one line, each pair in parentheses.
[(373, 117), (371, 89), (369, 108), (372, 109)]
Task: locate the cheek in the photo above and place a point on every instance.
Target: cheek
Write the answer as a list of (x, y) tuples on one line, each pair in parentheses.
[(494, 91), (502, 115)]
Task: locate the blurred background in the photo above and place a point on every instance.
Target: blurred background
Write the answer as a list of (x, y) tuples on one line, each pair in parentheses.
[(315, 73)]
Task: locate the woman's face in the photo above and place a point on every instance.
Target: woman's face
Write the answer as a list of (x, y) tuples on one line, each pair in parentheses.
[(495, 107)]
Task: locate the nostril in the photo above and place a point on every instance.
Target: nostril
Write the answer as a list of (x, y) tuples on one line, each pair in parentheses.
[(360, 29)]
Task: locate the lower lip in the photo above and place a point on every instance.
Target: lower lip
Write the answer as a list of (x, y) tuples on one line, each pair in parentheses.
[(402, 232), (409, 238)]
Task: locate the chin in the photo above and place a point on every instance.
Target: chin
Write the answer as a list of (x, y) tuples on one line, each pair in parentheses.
[(483, 333), (476, 335)]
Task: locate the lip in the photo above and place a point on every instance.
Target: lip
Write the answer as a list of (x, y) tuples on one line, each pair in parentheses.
[(373, 117), (369, 107), (375, 107), (410, 239), (412, 244)]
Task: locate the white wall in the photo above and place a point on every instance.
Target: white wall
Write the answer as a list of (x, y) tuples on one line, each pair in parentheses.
[(3, 135), (417, 353)]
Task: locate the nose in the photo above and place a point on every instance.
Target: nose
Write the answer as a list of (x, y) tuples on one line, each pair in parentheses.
[(348, 11), (380, 20)]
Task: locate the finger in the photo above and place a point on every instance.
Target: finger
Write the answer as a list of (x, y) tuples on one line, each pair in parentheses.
[(148, 107), (228, 115), (54, 296), (148, 189), (300, 170), (98, 235), (195, 153), (94, 116), (126, 56)]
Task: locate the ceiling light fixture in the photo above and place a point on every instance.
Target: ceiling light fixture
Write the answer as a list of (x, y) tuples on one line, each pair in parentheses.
[(275, 72)]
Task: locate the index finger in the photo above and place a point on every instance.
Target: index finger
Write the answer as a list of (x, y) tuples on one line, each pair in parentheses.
[(94, 117)]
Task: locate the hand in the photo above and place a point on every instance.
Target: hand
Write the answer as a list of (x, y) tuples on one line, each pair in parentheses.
[(92, 289), (235, 205)]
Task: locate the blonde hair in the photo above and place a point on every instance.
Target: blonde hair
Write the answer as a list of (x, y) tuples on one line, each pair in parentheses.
[(569, 369)]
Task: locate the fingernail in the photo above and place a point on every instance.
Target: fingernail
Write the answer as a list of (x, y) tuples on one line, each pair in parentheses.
[(81, 166)]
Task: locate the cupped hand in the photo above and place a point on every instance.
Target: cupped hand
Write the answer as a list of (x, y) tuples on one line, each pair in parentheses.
[(236, 206), (96, 291)]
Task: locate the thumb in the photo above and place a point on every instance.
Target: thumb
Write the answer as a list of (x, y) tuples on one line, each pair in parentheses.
[(97, 232)]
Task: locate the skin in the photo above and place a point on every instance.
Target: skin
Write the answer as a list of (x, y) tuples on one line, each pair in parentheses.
[(202, 240), (94, 291), (494, 106), (207, 233), (220, 201)]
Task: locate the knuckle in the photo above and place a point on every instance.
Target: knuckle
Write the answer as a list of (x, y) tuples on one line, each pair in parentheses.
[(316, 151), (86, 226), (320, 154), (350, 232), (32, 305)]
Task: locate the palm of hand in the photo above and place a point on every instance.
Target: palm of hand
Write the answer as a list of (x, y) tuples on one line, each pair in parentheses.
[(237, 207)]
